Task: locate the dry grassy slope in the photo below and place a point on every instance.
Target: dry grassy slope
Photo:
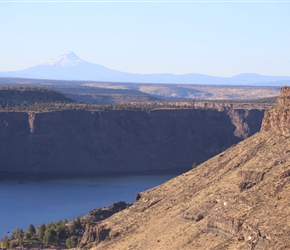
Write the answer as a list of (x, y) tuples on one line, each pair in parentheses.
[(236, 200)]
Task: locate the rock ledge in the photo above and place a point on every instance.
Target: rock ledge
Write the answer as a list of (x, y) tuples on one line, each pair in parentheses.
[(277, 118)]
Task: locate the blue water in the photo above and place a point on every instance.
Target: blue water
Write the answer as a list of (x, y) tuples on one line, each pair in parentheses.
[(25, 202)]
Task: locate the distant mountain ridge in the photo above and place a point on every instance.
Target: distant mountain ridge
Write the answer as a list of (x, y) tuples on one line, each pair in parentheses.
[(70, 67)]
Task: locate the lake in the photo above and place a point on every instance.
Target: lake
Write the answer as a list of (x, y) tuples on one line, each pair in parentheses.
[(24, 202)]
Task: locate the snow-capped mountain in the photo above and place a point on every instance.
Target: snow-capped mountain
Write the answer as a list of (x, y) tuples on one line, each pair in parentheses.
[(69, 59), (70, 67)]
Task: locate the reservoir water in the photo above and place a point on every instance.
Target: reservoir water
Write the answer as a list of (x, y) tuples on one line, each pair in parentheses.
[(25, 202)]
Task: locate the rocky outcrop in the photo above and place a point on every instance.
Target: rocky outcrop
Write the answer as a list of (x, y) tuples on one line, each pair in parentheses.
[(99, 214), (31, 118), (238, 199), (277, 118), (250, 178), (100, 234), (84, 142), (228, 228)]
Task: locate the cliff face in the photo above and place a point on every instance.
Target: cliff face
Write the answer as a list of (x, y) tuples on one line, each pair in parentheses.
[(118, 141), (277, 119), (238, 200)]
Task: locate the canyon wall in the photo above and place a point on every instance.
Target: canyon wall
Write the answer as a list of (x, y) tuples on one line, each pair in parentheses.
[(277, 118), (85, 142)]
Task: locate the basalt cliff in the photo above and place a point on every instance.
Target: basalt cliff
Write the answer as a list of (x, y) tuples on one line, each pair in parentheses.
[(75, 142), (238, 199)]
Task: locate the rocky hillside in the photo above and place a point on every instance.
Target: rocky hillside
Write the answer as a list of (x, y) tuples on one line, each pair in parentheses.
[(238, 199), (277, 119), (83, 142)]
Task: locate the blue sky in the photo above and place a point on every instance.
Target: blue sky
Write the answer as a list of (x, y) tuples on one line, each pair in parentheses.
[(214, 38)]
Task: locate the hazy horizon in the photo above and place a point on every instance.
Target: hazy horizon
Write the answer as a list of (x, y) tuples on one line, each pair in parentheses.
[(211, 38)]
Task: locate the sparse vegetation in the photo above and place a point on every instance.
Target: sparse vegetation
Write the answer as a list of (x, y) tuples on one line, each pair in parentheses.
[(138, 196), (194, 165), (62, 233), (72, 242), (23, 99), (20, 98), (5, 242), (49, 95)]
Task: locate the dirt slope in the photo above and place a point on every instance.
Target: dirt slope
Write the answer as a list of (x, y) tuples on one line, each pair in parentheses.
[(237, 200)]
